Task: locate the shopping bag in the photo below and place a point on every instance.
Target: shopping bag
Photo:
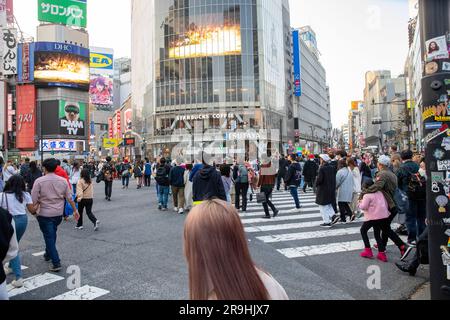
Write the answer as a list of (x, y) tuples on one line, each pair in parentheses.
[(68, 211), (261, 197)]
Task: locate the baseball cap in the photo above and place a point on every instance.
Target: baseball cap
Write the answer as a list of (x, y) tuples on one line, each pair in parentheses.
[(384, 160), (325, 157), (311, 156)]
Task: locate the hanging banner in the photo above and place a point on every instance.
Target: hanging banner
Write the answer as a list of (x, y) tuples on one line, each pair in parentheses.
[(110, 128), (9, 44), (25, 62), (11, 112)]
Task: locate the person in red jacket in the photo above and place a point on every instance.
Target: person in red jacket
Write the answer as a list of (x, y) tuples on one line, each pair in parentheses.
[(60, 172)]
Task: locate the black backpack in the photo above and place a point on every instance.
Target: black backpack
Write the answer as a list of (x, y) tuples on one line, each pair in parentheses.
[(417, 187), (161, 175)]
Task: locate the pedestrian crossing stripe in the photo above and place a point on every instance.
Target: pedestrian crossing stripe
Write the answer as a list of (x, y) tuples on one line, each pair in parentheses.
[(283, 218), (330, 248), (309, 235), (291, 201), (260, 208), (253, 214), (83, 293), (33, 283), (302, 225)]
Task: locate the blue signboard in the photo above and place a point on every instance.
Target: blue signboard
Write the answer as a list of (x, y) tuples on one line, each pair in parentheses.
[(297, 64), (25, 62)]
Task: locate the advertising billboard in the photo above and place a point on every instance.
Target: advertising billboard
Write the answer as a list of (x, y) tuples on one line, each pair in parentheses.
[(66, 12), (61, 64), (101, 89), (9, 49), (207, 41), (62, 145), (297, 64), (64, 118), (25, 62), (25, 117)]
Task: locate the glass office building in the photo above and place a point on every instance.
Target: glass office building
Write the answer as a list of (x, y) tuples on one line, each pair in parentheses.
[(200, 66)]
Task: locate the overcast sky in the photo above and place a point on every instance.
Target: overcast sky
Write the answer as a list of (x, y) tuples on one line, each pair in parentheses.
[(354, 36)]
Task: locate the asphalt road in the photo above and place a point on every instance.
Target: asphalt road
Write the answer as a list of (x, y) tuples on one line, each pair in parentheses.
[(138, 255)]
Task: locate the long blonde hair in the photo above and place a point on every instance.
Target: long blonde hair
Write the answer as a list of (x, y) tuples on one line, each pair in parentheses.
[(217, 254)]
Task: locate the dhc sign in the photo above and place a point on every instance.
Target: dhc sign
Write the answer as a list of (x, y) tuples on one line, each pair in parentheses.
[(101, 61)]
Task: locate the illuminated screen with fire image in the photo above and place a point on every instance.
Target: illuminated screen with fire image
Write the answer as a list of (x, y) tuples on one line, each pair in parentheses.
[(55, 68), (207, 41)]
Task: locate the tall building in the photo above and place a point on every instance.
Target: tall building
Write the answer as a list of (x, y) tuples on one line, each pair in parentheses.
[(382, 101), (413, 70), (199, 66), (311, 95), (122, 81)]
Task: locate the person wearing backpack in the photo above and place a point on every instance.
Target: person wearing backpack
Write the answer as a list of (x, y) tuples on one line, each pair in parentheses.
[(241, 178), (176, 177), (125, 173), (138, 174), (162, 179), (293, 180), (413, 185), (108, 171)]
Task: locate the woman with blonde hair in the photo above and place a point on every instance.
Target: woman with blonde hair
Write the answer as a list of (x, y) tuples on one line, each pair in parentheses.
[(218, 258)]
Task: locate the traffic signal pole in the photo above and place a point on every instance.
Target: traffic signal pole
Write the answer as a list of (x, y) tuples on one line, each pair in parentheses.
[(434, 20)]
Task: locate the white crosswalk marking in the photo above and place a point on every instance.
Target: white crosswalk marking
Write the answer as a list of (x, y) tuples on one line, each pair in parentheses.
[(33, 283), (306, 239), (83, 293), (39, 254)]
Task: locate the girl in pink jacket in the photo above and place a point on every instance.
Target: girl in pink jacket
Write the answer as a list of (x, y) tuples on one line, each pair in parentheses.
[(376, 216)]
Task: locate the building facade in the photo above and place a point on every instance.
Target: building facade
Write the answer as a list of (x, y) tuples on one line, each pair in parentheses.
[(122, 81), (212, 74), (312, 106), (383, 97)]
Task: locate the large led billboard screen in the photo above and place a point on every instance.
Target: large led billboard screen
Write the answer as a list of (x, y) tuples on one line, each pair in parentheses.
[(207, 41), (64, 118), (60, 64)]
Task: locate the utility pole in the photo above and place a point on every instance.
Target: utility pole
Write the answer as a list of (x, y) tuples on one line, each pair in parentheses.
[(434, 20)]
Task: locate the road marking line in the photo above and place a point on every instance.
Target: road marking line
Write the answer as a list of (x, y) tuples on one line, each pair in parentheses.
[(310, 251), (83, 293), (308, 235), (285, 206), (312, 224), (282, 218), (23, 268), (261, 211), (309, 203), (39, 254), (33, 283)]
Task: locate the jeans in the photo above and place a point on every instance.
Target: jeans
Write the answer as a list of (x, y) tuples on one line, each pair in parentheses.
[(178, 197), (415, 218), (344, 208), (309, 183), (49, 228), (125, 180), (108, 189), (294, 194), (163, 196), (88, 204), (228, 197), (378, 226), (74, 189), (241, 188), (148, 180), (402, 202), (268, 191), (327, 213), (4, 296), (21, 225)]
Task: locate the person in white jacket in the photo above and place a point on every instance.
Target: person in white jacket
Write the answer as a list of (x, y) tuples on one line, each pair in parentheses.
[(7, 223), (9, 171), (357, 184), (188, 188)]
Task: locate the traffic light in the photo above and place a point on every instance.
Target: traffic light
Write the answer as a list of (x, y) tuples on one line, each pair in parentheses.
[(377, 122)]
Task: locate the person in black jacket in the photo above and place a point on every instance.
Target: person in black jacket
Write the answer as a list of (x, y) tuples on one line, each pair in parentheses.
[(176, 177), (310, 173), (162, 179), (334, 164), (283, 166), (293, 180), (326, 191), (7, 239), (208, 185), (34, 174)]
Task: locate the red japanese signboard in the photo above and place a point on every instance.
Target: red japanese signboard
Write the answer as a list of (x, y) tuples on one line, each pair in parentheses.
[(25, 117)]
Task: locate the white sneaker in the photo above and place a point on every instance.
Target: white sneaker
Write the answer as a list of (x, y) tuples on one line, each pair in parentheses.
[(7, 269), (97, 225), (181, 211), (295, 210), (17, 283), (79, 228), (175, 209)]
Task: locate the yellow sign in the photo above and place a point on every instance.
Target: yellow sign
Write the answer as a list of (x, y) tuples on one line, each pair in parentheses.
[(110, 143)]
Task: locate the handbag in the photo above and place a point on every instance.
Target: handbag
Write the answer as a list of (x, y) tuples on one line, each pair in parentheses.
[(100, 177), (261, 197)]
